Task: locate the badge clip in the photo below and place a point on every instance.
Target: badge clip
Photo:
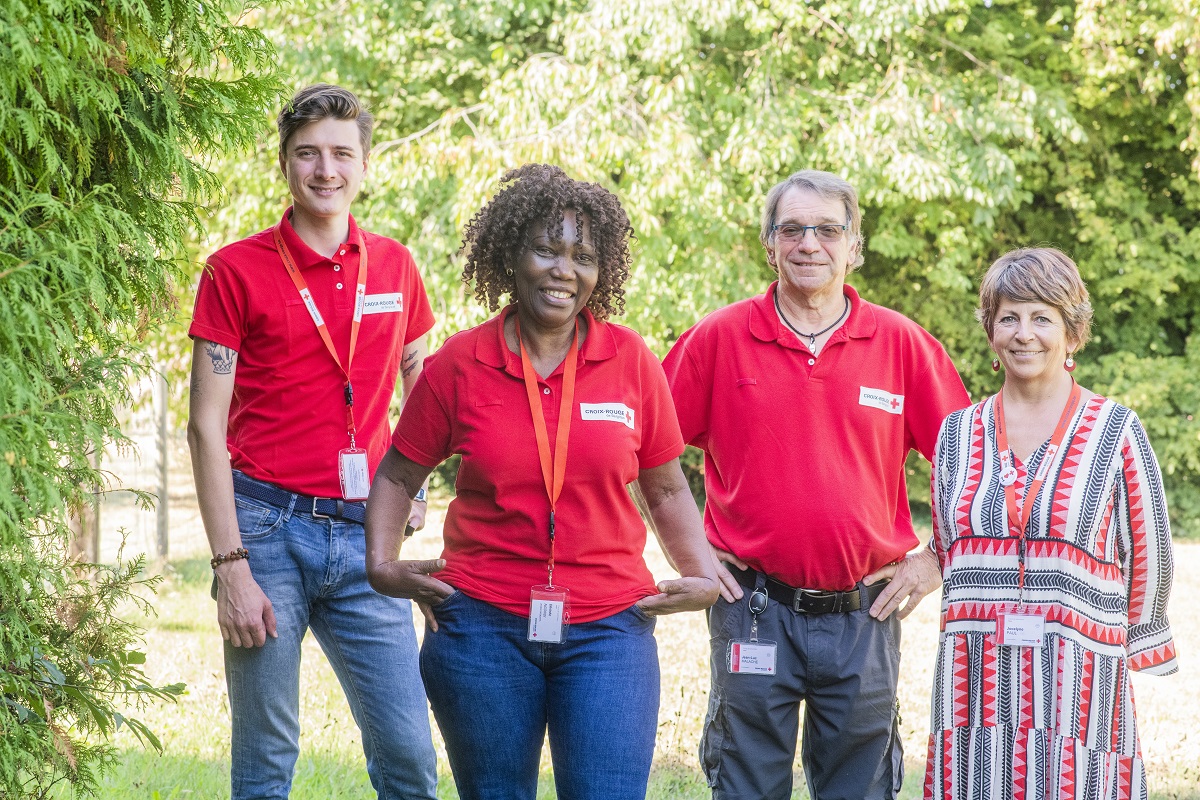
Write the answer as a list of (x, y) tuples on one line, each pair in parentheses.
[(753, 656)]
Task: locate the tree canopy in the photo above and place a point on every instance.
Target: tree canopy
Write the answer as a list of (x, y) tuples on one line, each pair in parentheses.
[(107, 110), (969, 126)]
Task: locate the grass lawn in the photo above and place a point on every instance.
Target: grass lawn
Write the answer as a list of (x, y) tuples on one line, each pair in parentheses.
[(183, 644)]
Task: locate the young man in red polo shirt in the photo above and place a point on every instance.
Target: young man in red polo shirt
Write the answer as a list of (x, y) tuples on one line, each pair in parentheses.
[(806, 401), (300, 334)]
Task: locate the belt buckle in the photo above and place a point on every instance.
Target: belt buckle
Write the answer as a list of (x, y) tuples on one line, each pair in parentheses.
[(317, 514), (815, 594)]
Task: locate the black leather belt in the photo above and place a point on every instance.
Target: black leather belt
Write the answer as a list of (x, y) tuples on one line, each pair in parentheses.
[(321, 507), (810, 601)]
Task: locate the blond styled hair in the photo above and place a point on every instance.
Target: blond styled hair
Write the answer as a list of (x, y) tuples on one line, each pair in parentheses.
[(1037, 275)]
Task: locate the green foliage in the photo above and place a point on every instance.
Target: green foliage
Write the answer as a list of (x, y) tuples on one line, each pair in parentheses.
[(969, 126), (105, 110)]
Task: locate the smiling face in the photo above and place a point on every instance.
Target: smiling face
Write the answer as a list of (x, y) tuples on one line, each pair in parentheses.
[(555, 277), (808, 267), (324, 166), (1030, 339)]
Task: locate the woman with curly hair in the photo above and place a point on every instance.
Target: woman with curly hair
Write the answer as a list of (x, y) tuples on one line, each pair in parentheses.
[(541, 614)]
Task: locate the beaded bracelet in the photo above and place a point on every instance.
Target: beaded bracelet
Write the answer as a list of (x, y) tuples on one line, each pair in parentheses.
[(232, 555)]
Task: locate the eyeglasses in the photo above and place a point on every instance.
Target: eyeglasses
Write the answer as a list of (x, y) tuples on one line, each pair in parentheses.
[(824, 233)]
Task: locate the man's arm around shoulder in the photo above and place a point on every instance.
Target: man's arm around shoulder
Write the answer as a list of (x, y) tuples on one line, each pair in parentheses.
[(244, 613)]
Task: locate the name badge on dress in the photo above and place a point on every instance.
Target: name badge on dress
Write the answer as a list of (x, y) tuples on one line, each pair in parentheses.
[(1017, 629)]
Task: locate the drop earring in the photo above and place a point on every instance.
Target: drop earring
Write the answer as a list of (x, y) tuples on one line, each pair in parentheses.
[(995, 365), (1069, 365)]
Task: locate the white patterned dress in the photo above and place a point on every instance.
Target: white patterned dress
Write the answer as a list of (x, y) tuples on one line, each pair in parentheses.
[(1054, 722)]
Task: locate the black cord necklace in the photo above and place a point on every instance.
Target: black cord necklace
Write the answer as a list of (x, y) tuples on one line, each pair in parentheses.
[(812, 337)]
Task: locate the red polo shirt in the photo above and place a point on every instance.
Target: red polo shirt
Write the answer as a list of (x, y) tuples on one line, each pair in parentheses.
[(287, 419), (471, 400), (803, 456)]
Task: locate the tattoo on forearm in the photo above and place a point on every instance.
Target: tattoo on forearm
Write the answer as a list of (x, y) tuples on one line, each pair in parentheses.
[(222, 357), (409, 363)]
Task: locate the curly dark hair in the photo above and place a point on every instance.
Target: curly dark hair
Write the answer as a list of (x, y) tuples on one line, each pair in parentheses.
[(537, 194)]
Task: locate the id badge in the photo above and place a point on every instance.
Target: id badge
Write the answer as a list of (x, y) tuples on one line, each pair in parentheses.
[(751, 657), (1020, 629), (353, 474), (549, 613)]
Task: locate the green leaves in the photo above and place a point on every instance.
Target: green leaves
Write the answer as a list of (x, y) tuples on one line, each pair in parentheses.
[(107, 113), (969, 126)]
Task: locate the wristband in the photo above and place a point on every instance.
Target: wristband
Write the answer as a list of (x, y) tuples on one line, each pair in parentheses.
[(232, 555), (420, 496)]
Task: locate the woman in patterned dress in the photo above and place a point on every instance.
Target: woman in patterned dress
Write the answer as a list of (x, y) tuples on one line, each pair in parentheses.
[(1048, 602)]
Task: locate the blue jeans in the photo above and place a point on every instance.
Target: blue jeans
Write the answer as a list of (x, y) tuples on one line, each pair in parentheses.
[(313, 570), (495, 694)]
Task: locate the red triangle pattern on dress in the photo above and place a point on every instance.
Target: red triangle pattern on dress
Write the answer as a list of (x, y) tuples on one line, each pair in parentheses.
[(1148, 658), (930, 765), (1086, 687), (1066, 477), (1020, 766), (959, 702), (1066, 775), (962, 514), (1125, 774), (1138, 589), (990, 704)]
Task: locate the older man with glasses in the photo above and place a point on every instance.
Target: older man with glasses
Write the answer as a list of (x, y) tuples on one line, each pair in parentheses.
[(806, 401)]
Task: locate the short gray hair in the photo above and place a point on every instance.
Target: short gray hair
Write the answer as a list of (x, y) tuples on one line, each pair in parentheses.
[(824, 184)]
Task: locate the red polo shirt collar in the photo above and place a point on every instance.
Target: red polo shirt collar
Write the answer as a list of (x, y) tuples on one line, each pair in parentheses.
[(305, 256), (493, 350), (766, 326)]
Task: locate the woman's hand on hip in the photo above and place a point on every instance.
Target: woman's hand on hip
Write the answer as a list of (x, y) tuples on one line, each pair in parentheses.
[(413, 580), (681, 594)]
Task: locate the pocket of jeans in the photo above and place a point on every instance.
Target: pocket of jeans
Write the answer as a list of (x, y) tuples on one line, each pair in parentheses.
[(721, 618), (891, 629), (444, 609), (445, 601), (641, 614), (256, 519)]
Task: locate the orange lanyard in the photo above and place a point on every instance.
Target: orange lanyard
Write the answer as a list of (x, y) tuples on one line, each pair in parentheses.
[(1018, 514), (360, 295), (554, 465)]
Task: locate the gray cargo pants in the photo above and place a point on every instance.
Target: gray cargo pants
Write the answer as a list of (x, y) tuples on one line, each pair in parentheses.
[(844, 667)]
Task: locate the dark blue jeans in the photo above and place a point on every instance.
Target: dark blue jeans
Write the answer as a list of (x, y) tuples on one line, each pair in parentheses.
[(314, 572), (495, 695)]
